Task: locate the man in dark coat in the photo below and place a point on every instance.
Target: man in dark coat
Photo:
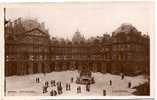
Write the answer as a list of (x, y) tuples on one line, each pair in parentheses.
[(51, 83), (87, 88), (43, 89), (78, 90), (55, 93), (69, 87), (54, 83), (129, 84), (110, 82), (36, 80), (52, 93), (104, 92), (71, 79), (122, 76)]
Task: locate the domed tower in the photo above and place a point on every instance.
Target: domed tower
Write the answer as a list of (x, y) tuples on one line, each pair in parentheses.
[(77, 37), (85, 75)]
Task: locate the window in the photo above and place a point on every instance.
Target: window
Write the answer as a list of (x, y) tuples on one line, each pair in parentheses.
[(119, 57), (128, 38), (58, 57)]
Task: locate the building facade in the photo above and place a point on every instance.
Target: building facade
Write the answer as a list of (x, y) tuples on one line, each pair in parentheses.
[(29, 49), (26, 48)]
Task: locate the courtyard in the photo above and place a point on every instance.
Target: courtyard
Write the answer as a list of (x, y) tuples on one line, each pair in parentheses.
[(27, 86)]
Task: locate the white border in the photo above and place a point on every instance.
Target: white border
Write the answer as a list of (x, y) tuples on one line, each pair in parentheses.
[(152, 57)]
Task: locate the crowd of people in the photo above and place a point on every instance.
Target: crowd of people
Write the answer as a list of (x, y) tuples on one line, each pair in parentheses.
[(59, 86), (53, 83)]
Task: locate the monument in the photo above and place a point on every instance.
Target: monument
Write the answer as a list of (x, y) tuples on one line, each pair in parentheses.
[(85, 77)]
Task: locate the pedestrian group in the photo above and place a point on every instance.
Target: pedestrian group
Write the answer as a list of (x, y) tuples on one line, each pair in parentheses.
[(59, 86)]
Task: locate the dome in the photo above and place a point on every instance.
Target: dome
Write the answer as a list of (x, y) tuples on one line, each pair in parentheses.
[(125, 28), (77, 37), (29, 24)]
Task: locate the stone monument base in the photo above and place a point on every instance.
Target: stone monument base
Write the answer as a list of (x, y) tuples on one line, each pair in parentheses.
[(85, 78)]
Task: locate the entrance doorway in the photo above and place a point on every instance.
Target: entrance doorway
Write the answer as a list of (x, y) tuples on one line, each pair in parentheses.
[(13, 68), (35, 67), (99, 67), (108, 69), (52, 66)]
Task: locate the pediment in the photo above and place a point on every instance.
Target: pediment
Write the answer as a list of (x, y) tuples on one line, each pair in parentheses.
[(36, 32), (31, 39)]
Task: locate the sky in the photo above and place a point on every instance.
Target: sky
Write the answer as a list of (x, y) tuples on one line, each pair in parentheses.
[(92, 19)]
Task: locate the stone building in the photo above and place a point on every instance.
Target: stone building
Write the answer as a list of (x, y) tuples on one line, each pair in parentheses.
[(29, 49), (26, 47), (130, 50)]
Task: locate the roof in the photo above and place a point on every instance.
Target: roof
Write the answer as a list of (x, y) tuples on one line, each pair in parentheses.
[(125, 28)]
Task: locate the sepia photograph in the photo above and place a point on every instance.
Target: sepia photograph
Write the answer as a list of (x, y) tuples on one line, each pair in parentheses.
[(78, 49)]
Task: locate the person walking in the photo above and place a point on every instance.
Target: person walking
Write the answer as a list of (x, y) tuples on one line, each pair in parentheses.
[(87, 88), (69, 87), (110, 82), (43, 89), (47, 83), (122, 76), (78, 89), (61, 88), (52, 92), (104, 92), (71, 79), (51, 83), (58, 87), (66, 87), (54, 83), (129, 85), (55, 92), (38, 80)]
